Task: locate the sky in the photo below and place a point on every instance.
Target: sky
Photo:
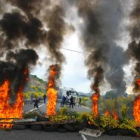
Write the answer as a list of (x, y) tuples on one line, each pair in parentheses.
[(74, 73)]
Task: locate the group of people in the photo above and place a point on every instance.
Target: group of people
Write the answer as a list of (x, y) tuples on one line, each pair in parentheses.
[(66, 100), (70, 101)]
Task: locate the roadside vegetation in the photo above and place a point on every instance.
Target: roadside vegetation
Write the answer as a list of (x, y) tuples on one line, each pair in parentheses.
[(106, 123)]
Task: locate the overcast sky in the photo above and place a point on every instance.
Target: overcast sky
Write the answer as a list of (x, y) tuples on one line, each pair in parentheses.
[(74, 73)]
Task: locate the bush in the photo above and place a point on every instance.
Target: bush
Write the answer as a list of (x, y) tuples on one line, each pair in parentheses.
[(26, 96), (62, 115), (107, 122), (124, 112), (30, 115), (127, 127)]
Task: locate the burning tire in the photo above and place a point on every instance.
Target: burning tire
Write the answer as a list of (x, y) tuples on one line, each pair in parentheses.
[(62, 130), (36, 127), (111, 132), (69, 128), (50, 128), (42, 119), (80, 126), (19, 127)]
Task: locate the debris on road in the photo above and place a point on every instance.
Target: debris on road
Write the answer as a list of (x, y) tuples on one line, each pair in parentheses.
[(91, 132)]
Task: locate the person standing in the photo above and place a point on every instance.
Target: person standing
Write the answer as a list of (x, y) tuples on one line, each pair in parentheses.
[(44, 98), (32, 97), (36, 103), (71, 102), (79, 101), (63, 101), (67, 100)]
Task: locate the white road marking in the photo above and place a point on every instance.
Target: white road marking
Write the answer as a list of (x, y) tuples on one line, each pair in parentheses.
[(34, 108), (84, 138), (86, 107)]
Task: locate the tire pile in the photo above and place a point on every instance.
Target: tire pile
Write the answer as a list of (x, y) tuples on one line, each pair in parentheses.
[(62, 128)]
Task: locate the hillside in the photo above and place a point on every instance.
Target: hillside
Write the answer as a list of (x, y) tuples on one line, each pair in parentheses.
[(35, 86)]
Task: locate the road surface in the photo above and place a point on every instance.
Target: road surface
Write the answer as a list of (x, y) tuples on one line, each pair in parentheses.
[(28, 107), (41, 135)]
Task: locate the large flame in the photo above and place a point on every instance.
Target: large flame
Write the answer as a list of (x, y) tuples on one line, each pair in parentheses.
[(107, 113), (4, 105), (7, 112), (52, 92), (136, 107), (95, 99), (113, 114)]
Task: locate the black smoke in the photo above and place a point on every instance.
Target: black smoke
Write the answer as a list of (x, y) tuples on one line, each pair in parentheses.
[(25, 27), (100, 31), (134, 46), (55, 34), (16, 69), (16, 26)]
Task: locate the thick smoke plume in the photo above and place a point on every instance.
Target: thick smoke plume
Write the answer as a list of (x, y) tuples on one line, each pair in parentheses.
[(16, 26), (25, 26), (93, 42), (14, 68), (29, 26), (55, 34), (100, 32), (134, 46)]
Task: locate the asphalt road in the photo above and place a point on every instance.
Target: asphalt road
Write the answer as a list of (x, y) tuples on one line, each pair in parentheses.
[(30, 107), (41, 135)]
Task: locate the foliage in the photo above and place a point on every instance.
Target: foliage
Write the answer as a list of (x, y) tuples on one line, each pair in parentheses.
[(87, 118), (84, 101), (61, 116), (26, 96), (128, 127), (124, 112), (108, 122), (62, 111), (31, 115), (102, 122)]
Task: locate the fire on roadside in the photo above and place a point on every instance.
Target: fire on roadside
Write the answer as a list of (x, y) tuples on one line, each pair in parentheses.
[(52, 92), (9, 112), (95, 99)]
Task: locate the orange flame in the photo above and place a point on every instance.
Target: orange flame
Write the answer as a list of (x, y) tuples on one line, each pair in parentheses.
[(107, 113), (95, 99), (51, 92), (4, 104), (136, 107), (9, 112), (115, 115), (89, 122)]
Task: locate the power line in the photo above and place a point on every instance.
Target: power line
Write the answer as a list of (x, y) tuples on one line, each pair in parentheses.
[(74, 51)]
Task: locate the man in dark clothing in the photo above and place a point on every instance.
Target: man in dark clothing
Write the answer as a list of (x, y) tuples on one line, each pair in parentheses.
[(44, 98), (79, 101), (36, 103), (63, 101), (71, 102)]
